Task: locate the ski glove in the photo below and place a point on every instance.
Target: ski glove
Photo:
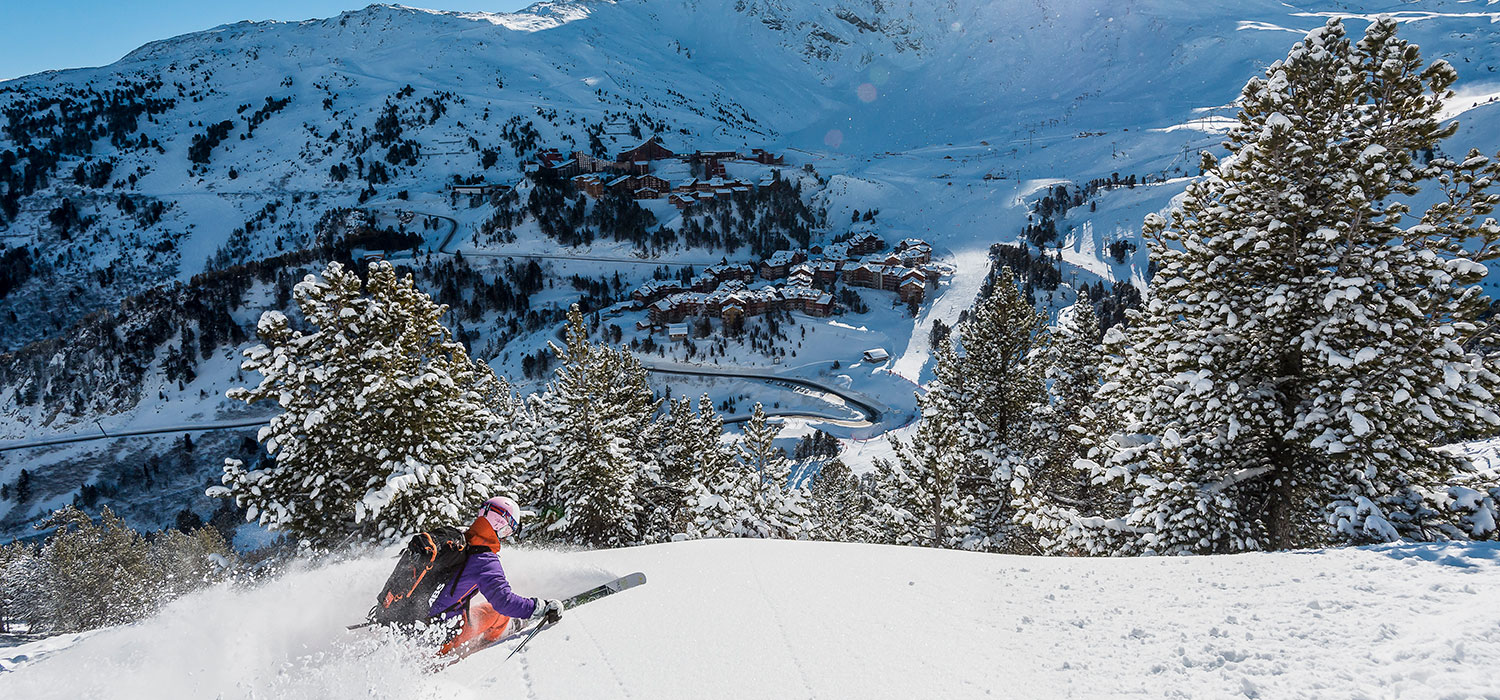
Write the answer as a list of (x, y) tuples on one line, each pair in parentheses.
[(547, 610)]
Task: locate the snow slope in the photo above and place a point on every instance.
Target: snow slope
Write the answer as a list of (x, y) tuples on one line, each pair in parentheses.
[(765, 619)]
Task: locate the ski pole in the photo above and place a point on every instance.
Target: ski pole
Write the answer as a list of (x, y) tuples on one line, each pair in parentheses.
[(529, 635)]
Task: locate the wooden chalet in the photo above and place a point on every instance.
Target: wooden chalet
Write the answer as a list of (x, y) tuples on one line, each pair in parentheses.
[(591, 184), (653, 182), (654, 290), (780, 262), (864, 244)]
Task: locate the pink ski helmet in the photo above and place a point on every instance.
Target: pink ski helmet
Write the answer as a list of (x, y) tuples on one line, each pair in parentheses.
[(504, 515)]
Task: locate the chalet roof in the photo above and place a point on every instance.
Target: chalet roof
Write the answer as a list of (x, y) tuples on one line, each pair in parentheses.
[(659, 286), (781, 257), (805, 293), (837, 251), (618, 180)]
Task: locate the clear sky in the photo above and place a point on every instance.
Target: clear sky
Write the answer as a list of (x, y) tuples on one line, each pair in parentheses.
[(38, 35)]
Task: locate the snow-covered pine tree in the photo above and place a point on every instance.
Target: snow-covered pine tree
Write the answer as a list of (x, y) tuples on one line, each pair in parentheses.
[(1302, 349), (667, 501), (1067, 426), (838, 503), (600, 417), (780, 506), (1002, 342), (385, 423), (723, 500), (691, 453), (20, 584), (886, 520), (936, 463), (510, 446)]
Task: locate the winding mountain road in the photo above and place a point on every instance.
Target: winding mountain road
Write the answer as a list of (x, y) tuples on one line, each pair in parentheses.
[(453, 231), (869, 414), (137, 432)]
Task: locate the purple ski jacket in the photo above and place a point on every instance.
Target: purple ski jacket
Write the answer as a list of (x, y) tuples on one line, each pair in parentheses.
[(482, 573)]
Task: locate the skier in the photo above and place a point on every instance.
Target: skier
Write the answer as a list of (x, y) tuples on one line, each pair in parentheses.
[(479, 593)]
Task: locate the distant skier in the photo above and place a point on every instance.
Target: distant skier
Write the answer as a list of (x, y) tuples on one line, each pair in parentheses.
[(479, 593)]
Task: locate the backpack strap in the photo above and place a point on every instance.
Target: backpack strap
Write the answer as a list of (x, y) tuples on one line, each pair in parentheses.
[(469, 551)]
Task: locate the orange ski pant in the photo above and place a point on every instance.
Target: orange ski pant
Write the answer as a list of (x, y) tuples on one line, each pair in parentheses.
[(482, 627)]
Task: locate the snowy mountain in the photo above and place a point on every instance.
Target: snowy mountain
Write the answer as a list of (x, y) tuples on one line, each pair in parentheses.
[(245, 143), (740, 619)]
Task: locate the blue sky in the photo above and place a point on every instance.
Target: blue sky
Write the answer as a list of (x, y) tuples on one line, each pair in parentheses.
[(38, 35)]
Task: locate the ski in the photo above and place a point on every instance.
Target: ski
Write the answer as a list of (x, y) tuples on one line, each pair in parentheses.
[(624, 582), (607, 589)]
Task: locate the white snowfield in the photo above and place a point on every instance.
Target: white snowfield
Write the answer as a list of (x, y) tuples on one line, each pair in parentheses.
[(770, 619)]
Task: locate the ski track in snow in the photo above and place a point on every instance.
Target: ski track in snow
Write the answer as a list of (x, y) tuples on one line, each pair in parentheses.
[(831, 620)]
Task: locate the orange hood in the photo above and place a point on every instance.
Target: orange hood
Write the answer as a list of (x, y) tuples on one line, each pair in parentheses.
[(482, 534)]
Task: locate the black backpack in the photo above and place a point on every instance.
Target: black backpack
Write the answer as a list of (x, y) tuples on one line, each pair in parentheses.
[(430, 560)]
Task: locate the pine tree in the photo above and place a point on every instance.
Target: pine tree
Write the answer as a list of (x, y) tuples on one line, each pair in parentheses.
[(690, 453), (780, 506), (886, 520), (1303, 347), (600, 413), (94, 575), (838, 505), (385, 426), (1067, 426), (938, 467), (1002, 342), (20, 588), (510, 447)]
